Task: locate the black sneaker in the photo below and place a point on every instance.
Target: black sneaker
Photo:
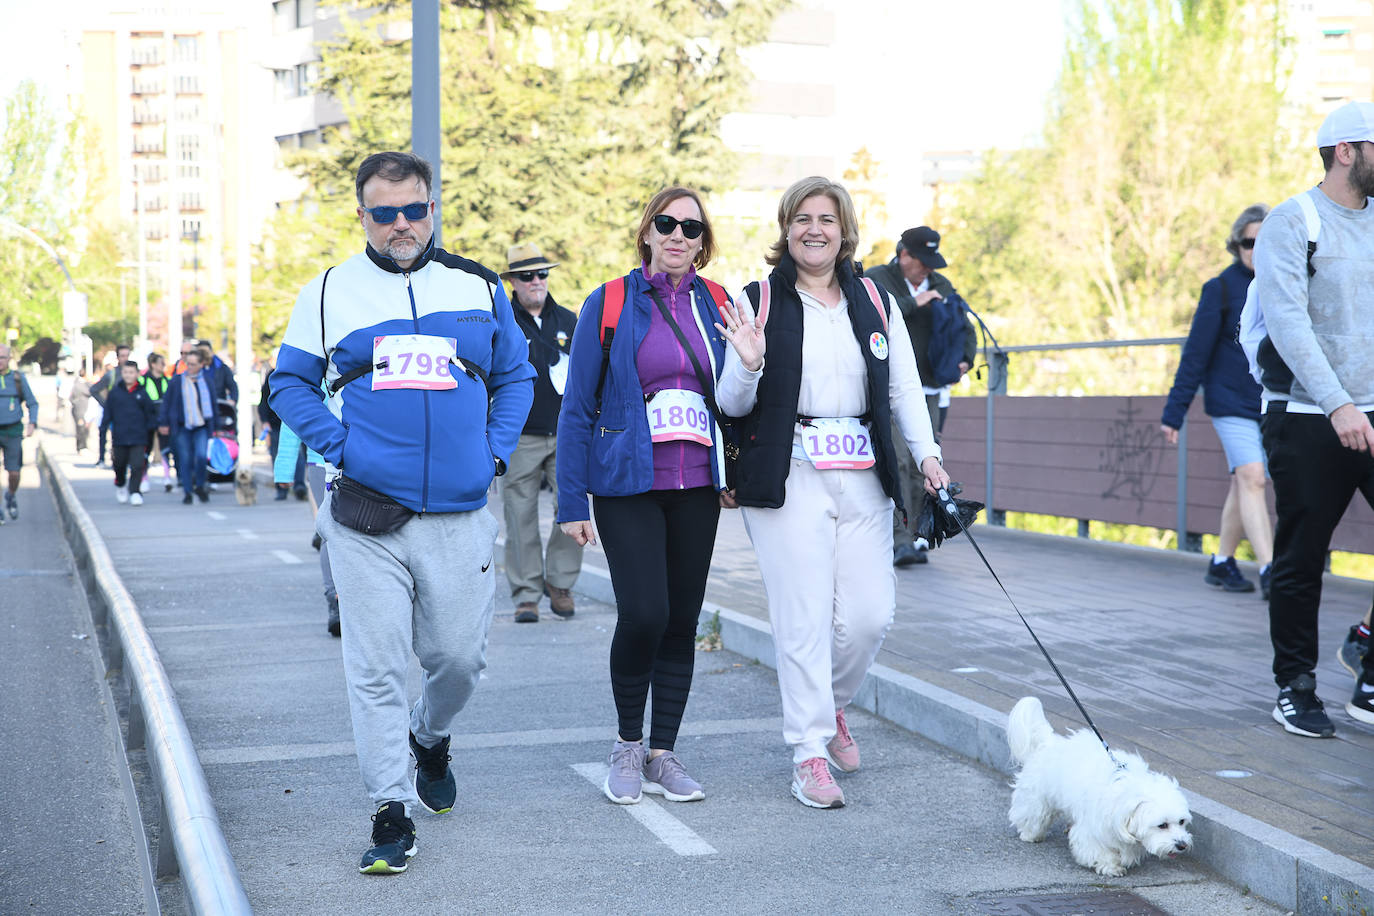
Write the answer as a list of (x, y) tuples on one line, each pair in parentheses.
[(203, 493), (908, 554), (1352, 651), (434, 781), (1226, 575), (393, 841), (186, 500), (1266, 577), (1300, 712), (1361, 705), (11, 504)]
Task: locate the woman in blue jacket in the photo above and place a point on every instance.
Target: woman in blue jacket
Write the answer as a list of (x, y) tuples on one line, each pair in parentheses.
[(641, 435), (1213, 358)]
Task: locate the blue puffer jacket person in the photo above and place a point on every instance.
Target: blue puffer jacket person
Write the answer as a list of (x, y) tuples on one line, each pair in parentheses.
[(1213, 358)]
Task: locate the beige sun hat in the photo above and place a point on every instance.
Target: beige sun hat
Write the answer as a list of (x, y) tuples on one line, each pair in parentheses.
[(525, 257)]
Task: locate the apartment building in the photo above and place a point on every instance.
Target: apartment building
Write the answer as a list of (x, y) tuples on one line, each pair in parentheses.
[(172, 91)]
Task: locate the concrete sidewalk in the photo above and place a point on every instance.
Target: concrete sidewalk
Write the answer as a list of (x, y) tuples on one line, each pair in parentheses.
[(232, 598), (1165, 665)]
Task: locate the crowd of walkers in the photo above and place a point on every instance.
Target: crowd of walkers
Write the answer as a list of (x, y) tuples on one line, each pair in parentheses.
[(409, 380)]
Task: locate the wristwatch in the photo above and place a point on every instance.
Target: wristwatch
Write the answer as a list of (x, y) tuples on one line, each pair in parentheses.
[(500, 467)]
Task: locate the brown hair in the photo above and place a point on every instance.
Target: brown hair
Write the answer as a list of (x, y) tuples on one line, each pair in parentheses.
[(657, 205), (791, 202)]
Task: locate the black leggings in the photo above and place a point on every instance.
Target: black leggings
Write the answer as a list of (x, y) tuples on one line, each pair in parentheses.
[(658, 547)]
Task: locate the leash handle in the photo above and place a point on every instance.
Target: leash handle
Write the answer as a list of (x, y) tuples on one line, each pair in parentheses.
[(947, 502)]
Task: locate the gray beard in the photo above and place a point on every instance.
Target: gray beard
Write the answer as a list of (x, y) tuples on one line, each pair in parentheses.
[(403, 250)]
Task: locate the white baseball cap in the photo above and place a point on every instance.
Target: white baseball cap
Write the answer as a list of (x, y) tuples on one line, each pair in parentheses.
[(1353, 122)]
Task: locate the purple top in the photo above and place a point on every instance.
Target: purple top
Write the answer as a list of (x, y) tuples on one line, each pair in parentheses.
[(662, 363)]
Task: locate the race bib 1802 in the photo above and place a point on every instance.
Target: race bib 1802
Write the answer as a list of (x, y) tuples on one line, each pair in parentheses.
[(837, 442), (413, 361), (678, 415)]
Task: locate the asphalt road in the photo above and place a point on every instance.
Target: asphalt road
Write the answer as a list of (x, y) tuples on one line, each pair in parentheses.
[(67, 841), (231, 596)]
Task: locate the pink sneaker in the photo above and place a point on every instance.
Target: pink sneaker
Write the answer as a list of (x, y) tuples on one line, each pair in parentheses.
[(813, 785), (841, 749)]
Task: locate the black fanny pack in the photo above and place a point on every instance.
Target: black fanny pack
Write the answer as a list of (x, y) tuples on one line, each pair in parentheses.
[(364, 509)]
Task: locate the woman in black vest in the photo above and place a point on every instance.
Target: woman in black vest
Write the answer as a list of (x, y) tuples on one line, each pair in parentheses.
[(816, 476)]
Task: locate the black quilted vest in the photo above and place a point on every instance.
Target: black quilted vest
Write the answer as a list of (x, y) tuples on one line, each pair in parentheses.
[(765, 440)]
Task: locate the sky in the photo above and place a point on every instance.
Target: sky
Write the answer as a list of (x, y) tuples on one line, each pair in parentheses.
[(978, 68)]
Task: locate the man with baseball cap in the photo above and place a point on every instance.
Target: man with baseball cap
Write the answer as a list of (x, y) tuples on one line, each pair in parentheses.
[(1314, 281), (912, 280), (548, 328)]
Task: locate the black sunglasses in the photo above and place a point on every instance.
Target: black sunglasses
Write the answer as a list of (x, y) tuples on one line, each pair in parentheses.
[(387, 215), (1247, 244), (691, 228), (526, 276)]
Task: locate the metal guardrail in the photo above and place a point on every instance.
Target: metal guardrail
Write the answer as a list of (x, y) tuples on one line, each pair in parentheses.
[(998, 370), (190, 839)]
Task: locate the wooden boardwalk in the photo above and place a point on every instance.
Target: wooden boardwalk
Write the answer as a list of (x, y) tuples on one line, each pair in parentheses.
[(1165, 664)]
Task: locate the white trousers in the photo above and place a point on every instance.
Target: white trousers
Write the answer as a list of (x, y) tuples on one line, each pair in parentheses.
[(826, 559)]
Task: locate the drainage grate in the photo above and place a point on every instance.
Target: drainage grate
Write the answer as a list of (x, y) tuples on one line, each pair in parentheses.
[(1088, 903)]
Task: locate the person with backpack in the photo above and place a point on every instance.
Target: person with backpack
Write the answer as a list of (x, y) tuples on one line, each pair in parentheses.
[(945, 342), (817, 474), (1314, 273), (15, 395), (640, 431), (1213, 358)]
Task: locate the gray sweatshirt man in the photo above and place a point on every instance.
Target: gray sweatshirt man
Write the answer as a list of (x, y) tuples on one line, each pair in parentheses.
[(1318, 378)]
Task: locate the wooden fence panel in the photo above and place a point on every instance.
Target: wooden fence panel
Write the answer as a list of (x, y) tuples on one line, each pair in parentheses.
[(1105, 459)]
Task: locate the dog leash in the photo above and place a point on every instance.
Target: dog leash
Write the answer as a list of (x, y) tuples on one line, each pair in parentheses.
[(947, 502)]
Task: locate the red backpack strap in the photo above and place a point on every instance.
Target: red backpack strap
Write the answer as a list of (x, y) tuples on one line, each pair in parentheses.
[(765, 300), (718, 295), (876, 298), (612, 304)]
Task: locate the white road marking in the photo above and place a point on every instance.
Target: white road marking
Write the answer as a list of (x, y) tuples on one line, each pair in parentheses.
[(246, 534), (286, 557), (676, 835), (217, 516)]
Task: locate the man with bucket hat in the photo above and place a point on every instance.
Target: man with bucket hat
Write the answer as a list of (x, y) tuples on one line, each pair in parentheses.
[(530, 569), (1314, 282), (947, 338)]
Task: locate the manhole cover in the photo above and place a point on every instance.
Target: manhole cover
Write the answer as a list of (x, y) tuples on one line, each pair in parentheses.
[(1088, 903)]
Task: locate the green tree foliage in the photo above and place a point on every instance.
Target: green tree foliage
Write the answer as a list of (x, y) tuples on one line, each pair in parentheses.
[(47, 180), (557, 127), (1167, 121)]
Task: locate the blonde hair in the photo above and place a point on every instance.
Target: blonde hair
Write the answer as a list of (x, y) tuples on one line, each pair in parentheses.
[(792, 200), (657, 205)]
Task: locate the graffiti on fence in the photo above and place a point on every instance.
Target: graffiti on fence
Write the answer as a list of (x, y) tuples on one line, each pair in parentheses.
[(1131, 456)]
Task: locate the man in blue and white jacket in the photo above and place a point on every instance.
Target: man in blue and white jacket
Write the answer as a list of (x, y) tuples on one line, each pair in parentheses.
[(427, 384)]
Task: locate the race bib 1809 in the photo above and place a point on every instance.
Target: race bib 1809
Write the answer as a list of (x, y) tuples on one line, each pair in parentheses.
[(678, 415), (837, 442), (413, 361)]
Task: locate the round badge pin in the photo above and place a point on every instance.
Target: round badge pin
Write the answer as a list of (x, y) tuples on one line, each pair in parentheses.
[(878, 345)]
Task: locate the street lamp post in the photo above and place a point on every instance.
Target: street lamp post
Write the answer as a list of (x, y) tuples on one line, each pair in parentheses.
[(424, 93)]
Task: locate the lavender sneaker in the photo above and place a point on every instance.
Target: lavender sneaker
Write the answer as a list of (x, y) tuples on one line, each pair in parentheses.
[(623, 783), (841, 749), (664, 775)]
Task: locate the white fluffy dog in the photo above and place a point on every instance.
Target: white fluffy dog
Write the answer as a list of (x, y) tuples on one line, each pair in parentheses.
[(1115, 816)]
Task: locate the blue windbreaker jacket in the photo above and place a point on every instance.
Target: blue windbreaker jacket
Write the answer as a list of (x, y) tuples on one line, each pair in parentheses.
[(432, 451), (611, 454)]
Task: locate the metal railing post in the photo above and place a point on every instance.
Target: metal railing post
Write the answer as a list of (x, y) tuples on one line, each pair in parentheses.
[(1181, 522)]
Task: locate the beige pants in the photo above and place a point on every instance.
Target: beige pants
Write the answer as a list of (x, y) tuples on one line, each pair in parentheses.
[(826, 559), (528, 567)]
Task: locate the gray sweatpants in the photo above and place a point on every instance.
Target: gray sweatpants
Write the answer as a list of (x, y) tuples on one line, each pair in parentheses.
[(428, 587)]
